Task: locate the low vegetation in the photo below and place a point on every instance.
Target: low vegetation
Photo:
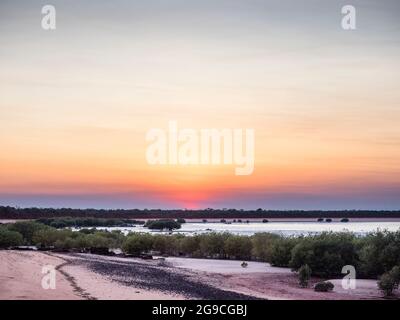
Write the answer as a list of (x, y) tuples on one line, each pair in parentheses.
[(325, 253), (65, 222), (10, 238), (163, 224), (324, 286), (390, 281), (304, 275)]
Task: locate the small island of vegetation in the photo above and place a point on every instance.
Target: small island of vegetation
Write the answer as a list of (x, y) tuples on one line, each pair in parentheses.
[(163, 224)]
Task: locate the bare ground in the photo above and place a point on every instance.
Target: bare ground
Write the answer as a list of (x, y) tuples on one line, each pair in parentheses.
[(86, 276)]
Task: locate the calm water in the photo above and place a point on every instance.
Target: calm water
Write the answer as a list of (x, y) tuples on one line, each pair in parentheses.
[(283, 228)]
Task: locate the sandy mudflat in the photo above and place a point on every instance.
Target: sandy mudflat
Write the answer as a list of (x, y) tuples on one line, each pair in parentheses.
[(264, 281), (103, 287), (21, 277), (86, 276), (285, 287), (127, 278), (225, 266)]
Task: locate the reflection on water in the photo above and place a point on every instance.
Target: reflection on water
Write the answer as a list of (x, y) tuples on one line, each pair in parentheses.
[(283, 228)]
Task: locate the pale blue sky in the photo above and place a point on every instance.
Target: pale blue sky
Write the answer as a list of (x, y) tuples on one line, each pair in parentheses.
[(75, 103)]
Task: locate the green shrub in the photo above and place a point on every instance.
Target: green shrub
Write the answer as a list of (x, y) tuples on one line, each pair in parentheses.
[(163, 224), (325, 253), (395, 272), (46, 237), (99, 240), (59, 224), (379, 252), (65, 244), (212, 244), (281, 251), (262, 245), (387, 284), (324, 286), (63, 222), (238, 247), (190, 246), (137, 243), (87, 231), (389, 281), (114, 238), (304, 275), (165, 244), (10, 238), (82, 242), (27, 229)]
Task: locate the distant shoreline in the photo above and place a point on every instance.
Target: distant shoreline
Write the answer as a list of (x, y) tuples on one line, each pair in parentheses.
[(250, 220), (12, 213)]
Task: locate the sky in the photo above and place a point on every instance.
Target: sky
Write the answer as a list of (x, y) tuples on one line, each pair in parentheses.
[(76, 102)]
